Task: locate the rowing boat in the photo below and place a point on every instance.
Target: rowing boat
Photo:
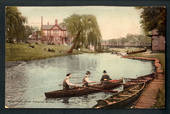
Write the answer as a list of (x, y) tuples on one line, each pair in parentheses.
[(146, 78), (123, 98), (74, 92)]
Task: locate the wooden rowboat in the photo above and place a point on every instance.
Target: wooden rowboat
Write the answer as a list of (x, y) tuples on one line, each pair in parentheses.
[(146, 78), (74, 92), (122, 99)]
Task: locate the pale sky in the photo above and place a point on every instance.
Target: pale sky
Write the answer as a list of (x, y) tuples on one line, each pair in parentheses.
[(113, 21)]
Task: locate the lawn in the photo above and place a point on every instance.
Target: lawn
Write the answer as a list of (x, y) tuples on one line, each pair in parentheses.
[(127, 49), (160, 56), (22, 51)]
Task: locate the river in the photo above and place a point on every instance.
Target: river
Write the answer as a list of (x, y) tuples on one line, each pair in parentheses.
[(26, 83)]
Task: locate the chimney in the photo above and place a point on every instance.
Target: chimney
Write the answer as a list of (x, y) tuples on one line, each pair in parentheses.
[(41, 21), (56, 22)]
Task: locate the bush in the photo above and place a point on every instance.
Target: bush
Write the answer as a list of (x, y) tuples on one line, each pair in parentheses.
[(32, 46), (51, 50), (36, 43)]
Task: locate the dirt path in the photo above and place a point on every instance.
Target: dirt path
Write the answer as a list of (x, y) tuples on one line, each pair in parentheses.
[(148, 97)]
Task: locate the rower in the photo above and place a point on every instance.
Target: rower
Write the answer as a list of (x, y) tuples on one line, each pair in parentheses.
[(66, 83), (105, 77), (86, 80)]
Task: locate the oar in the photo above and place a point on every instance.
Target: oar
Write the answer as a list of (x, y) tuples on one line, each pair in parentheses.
[(81, 83), (75, 84), (98, 88), (95, 82), (113, 80)]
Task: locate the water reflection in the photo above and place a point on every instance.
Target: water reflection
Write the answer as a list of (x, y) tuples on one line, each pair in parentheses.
[(65, 100), (29, 81)]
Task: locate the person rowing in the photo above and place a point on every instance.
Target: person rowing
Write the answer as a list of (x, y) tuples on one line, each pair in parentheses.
[(86, 79), (105, 77), (67, 84)]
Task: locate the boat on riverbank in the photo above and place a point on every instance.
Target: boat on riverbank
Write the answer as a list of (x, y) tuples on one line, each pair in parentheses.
[(123, 98), (74, 92), (146, 78)]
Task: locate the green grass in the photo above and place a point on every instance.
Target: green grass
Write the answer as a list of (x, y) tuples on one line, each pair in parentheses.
[(160, 56), (160, 99), (22, 51), (127, 49)]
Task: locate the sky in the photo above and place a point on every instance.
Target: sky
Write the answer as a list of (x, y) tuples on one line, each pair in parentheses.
[(114, 22)]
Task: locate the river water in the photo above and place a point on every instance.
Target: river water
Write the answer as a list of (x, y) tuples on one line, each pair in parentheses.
[(26, 83)]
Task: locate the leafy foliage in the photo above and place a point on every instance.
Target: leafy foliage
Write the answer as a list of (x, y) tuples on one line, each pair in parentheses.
[(15, 25), (153, 18), (28, 31), (84, 29), (131, 40)]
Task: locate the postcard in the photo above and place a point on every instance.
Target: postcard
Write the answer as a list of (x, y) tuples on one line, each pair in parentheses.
[(93, 57)]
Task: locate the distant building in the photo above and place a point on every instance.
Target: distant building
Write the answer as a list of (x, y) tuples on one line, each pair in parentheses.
[(158, 41), (52, 34), (35, 35)]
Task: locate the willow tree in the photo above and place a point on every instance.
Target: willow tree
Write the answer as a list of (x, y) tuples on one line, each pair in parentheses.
[(84, 29), (14, 24)]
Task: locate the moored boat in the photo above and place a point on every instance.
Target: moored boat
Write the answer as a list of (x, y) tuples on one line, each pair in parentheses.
[(122, 99), (146, 78), (74, 92)]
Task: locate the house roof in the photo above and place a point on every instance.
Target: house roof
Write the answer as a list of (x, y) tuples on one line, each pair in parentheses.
[(63, 27), (48, 27)]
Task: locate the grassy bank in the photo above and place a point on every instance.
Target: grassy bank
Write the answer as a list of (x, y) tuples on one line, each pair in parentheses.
[(25, 52), (127, 49), (160, 56), (160, 100)]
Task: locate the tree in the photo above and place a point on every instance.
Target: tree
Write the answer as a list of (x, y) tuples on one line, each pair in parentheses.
[(14, 24), (84, 29), (153, 18), (131, 39), (28, 31)]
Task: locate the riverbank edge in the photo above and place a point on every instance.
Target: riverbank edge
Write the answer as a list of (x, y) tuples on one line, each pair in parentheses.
[(158, 71), (24, 51), (11, 63), (157, 64)]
